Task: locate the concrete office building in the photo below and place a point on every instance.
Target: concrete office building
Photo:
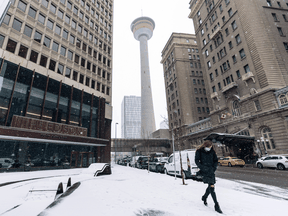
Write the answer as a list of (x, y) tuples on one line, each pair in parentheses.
[(131, 117), (186, 94), (244, 50), (142, 29), (55, 82)]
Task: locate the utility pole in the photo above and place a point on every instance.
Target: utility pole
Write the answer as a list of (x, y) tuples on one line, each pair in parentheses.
[(115, 140)]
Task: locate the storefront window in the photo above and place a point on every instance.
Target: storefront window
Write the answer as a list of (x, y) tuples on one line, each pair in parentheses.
[(75, 107), (86, 110), (94, 117), (50, 106), (64, 103)]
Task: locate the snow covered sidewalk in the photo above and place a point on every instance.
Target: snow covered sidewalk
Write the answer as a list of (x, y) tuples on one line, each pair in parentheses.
[(133, 192), (129, 191)]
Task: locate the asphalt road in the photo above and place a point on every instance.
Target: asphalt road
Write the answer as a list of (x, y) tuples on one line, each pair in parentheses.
[(267, 176)]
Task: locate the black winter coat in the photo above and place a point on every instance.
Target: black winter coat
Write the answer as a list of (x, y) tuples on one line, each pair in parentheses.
[(207, 162)]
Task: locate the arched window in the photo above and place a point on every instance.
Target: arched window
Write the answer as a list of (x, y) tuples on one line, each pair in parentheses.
[(268, 141), (236, 108), (283, 99)]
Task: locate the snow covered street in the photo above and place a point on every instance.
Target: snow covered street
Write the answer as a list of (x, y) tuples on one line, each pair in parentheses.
[(130, 192)]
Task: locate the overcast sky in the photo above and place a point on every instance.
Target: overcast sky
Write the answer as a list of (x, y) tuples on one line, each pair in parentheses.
[(169, 16)]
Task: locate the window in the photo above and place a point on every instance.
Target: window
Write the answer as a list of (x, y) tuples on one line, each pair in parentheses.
[(72, 39), (219, 86), (32, 12), (67, 19), (238, 39), (234, 25), (75, 75), (209, 64), (22, 5), (79, 29), (50, 24), (93, 84), (58, 30), (238, 74), (257, 105), (206, 54), (41, 18), (68, 72), (220, 8), (33, 56), (195, 90), (63, 1), (279, 4), (23, 51), (230, 12), (236, 108), (87, 82), (47, 42), (7, 19), (73, 24), (81, 15), (81, 79), (84, 47), (230, 45), (211, 77), (83, 62), (78, 43), (1, 40), (17, 25), (70, 55), (242, 53), (268, 141), (227, 31), (52, 65), (60, 69), (65, 34), (69, 5), (27, 31), (274, 17), (269, 3), (227, 2), (43, 61), (38, 36), (63, 51), (75, 10), (234, 59), (246, 68), (280, 31), (55, 46), (204, 42), (53, 8)]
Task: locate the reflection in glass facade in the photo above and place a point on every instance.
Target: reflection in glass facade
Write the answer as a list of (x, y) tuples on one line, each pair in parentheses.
[(39, 97)]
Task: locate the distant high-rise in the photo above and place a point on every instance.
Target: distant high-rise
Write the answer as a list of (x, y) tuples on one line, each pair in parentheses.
[(142, 29), (131, 117)]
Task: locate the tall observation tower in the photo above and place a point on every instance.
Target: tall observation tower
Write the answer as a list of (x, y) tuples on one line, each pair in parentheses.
[(142, 29)]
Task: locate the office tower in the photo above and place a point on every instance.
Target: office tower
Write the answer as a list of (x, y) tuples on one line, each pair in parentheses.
[(131, 117), (55, 81), (186, 95), (142, 29), (244, 47)]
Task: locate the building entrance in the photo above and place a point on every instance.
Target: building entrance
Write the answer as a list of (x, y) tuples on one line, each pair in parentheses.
[(81, 159)]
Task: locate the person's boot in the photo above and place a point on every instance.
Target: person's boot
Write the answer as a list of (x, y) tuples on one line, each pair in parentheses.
[(204, 199), (217, 208)]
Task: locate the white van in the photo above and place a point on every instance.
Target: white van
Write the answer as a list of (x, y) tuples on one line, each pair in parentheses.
[(188, 172), (6, 162)]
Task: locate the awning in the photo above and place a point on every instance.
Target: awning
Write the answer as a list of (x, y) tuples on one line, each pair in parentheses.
[(225, 138)]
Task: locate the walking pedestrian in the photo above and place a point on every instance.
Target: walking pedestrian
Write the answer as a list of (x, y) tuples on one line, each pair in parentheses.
[(207, 161)]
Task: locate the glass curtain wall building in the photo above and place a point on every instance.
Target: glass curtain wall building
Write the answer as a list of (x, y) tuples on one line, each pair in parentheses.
[(55, 84), (131, 117)]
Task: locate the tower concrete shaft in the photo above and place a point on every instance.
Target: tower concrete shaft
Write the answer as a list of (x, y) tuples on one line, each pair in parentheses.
[(143, 30)]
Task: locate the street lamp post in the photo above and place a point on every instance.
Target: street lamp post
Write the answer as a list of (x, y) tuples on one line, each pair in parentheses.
[(115, 139)]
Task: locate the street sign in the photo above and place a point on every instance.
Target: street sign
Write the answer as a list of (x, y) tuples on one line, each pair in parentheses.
[(4, 6)]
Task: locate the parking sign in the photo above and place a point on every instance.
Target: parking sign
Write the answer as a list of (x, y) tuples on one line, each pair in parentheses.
[(4, 6)]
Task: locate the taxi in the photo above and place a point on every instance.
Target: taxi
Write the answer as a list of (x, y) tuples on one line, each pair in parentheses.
[(231, 161)]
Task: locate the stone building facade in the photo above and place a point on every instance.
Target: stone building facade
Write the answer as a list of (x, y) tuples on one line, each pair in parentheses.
[(243, 47)]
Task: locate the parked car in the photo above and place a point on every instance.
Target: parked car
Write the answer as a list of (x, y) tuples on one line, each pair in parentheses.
[(277, 161), (231, 161), (185, 155), (142, 162), (6, 162), (157, 164), (133, 161), (126, 160)]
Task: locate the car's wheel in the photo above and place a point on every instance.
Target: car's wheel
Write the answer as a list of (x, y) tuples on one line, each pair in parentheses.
[(229, 164), (165, 171), (280, 167), (260, 166)]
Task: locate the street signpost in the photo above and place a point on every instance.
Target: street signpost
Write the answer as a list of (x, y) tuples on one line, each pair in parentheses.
[(4, 6)]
